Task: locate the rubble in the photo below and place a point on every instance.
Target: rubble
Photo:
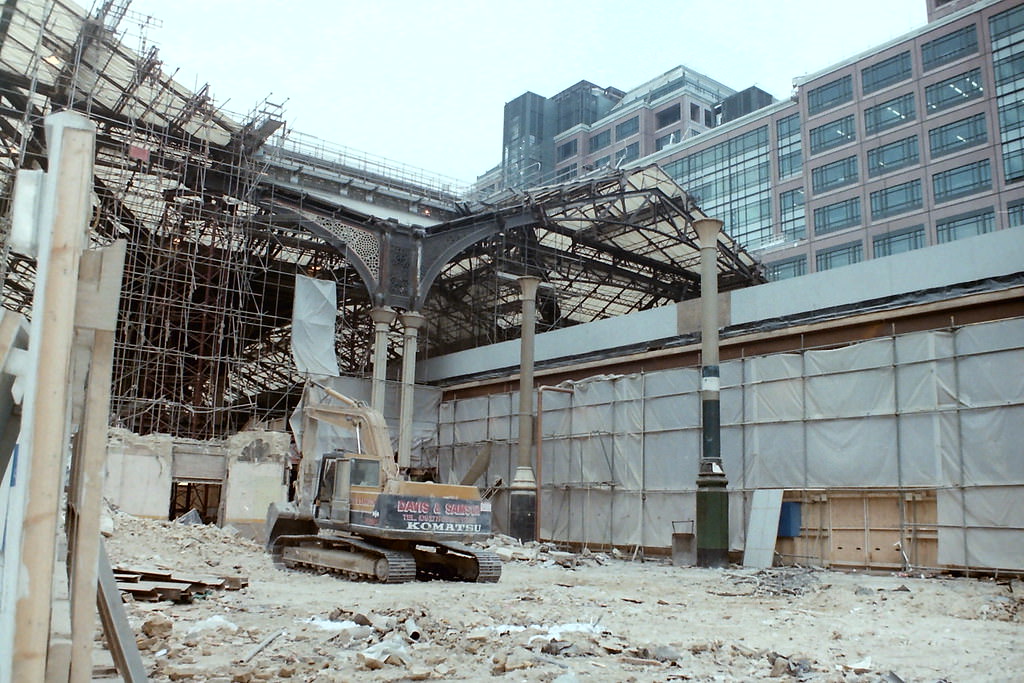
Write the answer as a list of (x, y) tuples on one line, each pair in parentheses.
[(558, 616)]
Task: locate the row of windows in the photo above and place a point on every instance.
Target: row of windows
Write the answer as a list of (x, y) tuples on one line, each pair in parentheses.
[(627, 128), (892, 156), (830, 176), (833, 134), (956, 227), (901, 109), (895, 69), (958, 135), (943, 140), (722, 154), (903, 197)]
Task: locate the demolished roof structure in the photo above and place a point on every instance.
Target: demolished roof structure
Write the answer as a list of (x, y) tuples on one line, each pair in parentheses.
[(222, 212)]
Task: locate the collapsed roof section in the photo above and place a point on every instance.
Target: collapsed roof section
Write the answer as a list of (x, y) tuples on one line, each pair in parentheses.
[(219, 222)]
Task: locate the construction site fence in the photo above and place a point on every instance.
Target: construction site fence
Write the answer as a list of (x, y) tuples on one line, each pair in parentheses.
[(938, 411)]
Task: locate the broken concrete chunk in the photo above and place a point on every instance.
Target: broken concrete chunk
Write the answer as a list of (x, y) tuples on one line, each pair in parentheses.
[(158, 626), (391, 651)]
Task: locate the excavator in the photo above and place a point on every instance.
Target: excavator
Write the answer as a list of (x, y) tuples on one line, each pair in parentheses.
[(362, 519)]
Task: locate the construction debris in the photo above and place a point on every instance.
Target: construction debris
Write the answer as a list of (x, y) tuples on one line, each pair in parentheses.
[(560, 616)]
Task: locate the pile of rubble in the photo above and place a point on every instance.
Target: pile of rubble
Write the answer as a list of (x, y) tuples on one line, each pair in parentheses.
[(536, 553)]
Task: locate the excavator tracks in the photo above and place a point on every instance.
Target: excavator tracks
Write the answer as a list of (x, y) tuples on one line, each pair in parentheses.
[(357, 558), (349, 556), (457, 562)]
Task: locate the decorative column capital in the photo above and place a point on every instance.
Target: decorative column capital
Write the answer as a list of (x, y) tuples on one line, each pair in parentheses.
[(528, 286), (707, 231), (383, 315), (412, 320)]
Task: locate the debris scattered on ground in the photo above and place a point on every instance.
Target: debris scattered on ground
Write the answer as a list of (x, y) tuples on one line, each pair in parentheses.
[(559, 616)]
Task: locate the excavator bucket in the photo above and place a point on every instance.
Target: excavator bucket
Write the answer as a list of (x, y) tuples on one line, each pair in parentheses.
[(285, 519)]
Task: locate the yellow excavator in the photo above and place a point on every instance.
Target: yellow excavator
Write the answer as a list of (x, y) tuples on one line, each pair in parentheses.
[(362, 519)]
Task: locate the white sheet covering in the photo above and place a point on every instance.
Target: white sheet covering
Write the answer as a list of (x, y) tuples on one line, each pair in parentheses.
[(935, 409)]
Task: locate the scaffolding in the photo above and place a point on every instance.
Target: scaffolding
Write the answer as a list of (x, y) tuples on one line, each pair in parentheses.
[(222, 211)]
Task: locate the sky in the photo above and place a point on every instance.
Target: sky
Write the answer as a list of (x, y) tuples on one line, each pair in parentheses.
[(425, 83)]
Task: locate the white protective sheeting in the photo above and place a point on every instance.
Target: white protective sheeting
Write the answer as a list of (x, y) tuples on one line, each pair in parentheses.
[(939, 409), (313, 315)]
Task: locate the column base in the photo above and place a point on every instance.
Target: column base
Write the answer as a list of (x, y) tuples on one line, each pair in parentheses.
[(523, 516), (712, 519)]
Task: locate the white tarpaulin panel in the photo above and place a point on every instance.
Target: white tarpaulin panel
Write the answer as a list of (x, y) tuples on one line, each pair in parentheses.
[(313, 316), (941, 410)]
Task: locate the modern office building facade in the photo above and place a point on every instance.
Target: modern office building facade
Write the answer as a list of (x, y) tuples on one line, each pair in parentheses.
[(916, 142), (585, 127)]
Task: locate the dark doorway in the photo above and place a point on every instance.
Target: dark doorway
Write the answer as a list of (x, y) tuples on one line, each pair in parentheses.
[(202, 497)]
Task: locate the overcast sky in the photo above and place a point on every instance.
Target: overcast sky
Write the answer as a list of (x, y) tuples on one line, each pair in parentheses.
[(424, 83)]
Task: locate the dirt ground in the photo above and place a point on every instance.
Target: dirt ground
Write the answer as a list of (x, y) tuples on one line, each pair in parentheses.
[(560, 617)]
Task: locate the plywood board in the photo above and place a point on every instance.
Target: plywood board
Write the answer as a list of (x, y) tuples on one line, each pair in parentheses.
[(762, 528)]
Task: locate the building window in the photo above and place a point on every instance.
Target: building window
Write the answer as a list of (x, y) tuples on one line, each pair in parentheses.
[(788, 127), (958, 135), (627, 128), (841, 255), (667, 116), (965, 225), (793, 214), (1008, 59), (1009, 68), (953, 91), (892, 156), (830, 95), (600, 140), (833, 134), (886, 72), (628, 153), (898, 241), (844, 214), (836, 174), (949, 48), (786, 268), (709, 118), (1006, 23), (962, 181), (889, 114), (896, 199), (567, 150), (1015, 213), (565, 174), (666, 140), (603, 161), (695, 112), (790, 151)]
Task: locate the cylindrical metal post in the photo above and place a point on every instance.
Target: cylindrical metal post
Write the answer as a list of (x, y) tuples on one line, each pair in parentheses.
[(382, 317), (712, 498), (411, 322), (523, 513)]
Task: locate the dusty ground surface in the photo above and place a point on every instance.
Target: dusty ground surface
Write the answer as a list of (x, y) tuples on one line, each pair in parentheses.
[(604, 619)]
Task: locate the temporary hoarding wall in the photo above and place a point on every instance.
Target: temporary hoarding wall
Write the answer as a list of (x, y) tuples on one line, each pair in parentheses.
[(938, 410)]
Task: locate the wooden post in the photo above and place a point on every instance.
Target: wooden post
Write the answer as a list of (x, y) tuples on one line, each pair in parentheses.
[(67, 200), (96, 317)]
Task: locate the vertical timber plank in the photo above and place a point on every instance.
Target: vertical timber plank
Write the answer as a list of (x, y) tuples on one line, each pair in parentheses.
[(52, 328), (97, 312)]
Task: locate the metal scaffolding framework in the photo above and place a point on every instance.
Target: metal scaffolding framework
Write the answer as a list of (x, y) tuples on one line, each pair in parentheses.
[(221, 212)]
